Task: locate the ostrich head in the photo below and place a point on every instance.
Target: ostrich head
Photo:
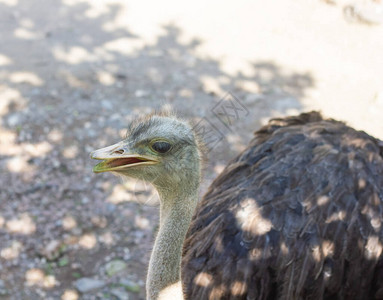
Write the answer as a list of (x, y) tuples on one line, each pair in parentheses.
[(162, 150)]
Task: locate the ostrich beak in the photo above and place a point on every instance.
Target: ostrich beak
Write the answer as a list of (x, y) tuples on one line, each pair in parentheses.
[(117, 157)]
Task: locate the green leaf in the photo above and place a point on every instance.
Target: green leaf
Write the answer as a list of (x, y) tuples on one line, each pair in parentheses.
[(63, 261), (76, 275)]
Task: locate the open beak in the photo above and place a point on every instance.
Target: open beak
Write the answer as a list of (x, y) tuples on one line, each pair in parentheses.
[(117, 157)]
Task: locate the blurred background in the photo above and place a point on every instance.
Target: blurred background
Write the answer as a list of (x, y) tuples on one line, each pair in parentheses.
[(73, 73)]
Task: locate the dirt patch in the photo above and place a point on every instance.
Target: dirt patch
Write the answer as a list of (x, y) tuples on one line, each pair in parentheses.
[(74, 73)]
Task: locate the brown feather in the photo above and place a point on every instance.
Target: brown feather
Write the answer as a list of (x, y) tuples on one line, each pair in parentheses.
[(297, 215)]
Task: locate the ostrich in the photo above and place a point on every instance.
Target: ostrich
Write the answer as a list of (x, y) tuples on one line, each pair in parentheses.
[(297, 215)]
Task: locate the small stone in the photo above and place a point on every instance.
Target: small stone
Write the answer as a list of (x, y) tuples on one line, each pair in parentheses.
[(127, 254), (68, 222), (13, 120), (76, 231), (52, 250), (85, 285), (36, 92), (130, 285), (120, 76), (115, 116), (110, 207), (54, 93), (106, 104), (115, 266), (99, 221), (70, 295), (120, 294), (141, 93)]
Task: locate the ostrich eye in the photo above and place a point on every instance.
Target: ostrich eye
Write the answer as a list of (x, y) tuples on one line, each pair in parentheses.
[(161, 147)]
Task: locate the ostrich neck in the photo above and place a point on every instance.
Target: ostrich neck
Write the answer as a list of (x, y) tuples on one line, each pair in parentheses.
[(165, 262)]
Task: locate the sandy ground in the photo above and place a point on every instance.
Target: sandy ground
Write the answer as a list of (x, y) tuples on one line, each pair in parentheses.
[(74, 73)]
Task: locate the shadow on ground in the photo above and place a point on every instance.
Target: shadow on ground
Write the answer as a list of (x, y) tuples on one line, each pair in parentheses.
[(70, 82)]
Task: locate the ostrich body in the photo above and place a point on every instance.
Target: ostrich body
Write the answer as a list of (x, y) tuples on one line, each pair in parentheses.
[(297, 215)]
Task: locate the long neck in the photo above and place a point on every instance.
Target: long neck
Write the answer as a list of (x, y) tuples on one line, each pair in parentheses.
[(165, 262)]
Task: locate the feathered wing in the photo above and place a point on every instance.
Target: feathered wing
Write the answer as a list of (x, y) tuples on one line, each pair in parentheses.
[(298, 215)]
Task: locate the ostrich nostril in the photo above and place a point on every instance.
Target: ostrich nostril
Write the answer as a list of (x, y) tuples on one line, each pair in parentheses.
[(120, 151)]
